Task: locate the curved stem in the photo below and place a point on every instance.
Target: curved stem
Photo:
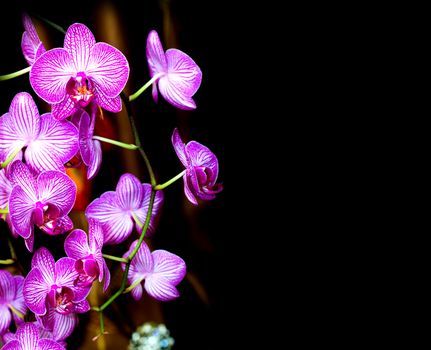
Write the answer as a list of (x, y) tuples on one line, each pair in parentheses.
[(15, 74), (52, 24), (115, 258), (137, 139), (116, 143), (171, 181), (145, 87)]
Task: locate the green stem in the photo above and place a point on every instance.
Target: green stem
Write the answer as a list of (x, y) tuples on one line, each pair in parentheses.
[(116, 143), (102, 323), (138, 140), (4, 211), (115, 258), (15, 74), (11, 157), (145, 87), (129, 288), (171, 181), (52, 24), (7, 262)]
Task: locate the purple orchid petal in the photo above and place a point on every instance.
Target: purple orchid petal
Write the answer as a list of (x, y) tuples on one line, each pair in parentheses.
[(82, 307), (76, 245), (5, 318), (49, 344), (61, 325), (26, 116), (64, 108), (78, 41), (66, 273), (5, 189), (143, 263), (201, 156), (179, 147), (155, 55), (9, 141), (175, 95), (56, 144), (28, 336), (96, 160), (44, 261), (50, 74), (35, 291), (106, 276), (58, 189), (108, 68), (160, 288), (19, 303), (29, 242), (7, 286), (57, 226), (19, 174), (141, 213), (169, 266), (155, 92), (95, 238), (130, 192), (12, 345), (137, 291), (40, 50), (21, 208), (183, 72), (117, 223), (30, 43), (111, 104), (85, 138)]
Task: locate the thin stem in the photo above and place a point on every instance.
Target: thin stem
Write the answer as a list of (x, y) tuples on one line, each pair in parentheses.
[(11, 157), (115, 258), (11, 249), (116, 143), (129, 288), (137, 139), (4, 211), (7, 262), (171, 181), (52, 24), (145, 87), (15, 74), (102, 323)]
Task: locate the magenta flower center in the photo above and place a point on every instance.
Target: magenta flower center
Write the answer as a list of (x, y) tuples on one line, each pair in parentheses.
[(88, 271), (44, 213), (61, 298), (80, 89)]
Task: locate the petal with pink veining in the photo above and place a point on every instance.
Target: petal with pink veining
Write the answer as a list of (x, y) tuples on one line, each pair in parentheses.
[(65, 272), (179, 147), (169, 266), (108, 67), (141, 213), (49, 344), (5, 318), (18, 302), (200, 155), (82, 306), (64, 108), (174, 95), (183, 72), (187, 190), (111, 104), (55, 145), (160, 288), (155, 54), (19, 174), (44, 261), (117, 223), (50, 74), (9, 140), (96, 160), (129, 191), (76, 245), (12, 345), (35, 291), (78, 41), (21, 208), (28, 336), (58, 189), (25, 115)]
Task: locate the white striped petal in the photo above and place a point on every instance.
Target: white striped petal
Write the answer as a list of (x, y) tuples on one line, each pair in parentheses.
[(78, 41), (130, 192)]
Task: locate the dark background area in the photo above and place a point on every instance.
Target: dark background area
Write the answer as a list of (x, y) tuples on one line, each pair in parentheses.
[(212, 238)]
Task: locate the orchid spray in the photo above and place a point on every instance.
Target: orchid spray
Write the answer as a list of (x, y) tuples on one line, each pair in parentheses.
[(40, 306)]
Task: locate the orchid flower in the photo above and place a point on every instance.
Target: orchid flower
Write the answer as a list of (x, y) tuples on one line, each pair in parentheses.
[(27, 337), (118, 210), (5, 190), (31, 45), (70, 78), (11, 300), (52, 286), (201, 169), (88, 254), (44, 201), (176, 74), (160, 270), (50, 143)]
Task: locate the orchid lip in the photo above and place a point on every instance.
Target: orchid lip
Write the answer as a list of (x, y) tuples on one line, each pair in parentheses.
[(80, 89)]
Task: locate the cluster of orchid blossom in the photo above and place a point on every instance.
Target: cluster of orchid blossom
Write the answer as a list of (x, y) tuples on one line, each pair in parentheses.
[(40, 309)]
